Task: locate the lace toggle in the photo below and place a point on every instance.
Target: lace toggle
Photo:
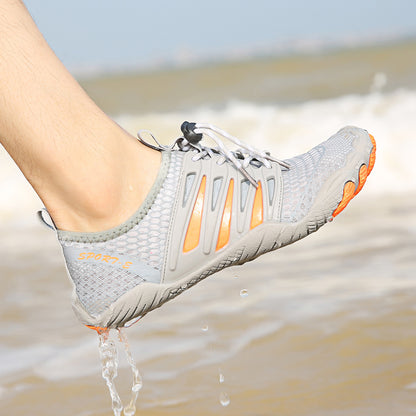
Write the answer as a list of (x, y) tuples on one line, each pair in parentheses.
[(240, 158)]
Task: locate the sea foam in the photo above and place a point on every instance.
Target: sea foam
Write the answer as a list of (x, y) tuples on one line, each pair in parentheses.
[(290, 130), (283, 130)]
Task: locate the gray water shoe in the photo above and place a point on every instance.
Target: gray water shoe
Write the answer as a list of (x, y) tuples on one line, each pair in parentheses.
[(209, 208)]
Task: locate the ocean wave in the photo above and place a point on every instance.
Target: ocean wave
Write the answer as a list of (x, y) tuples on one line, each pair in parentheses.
[(294, 129), (284, 130)]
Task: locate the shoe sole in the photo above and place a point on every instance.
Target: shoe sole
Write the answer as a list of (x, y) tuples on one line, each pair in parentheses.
[(350, 190), (332, 199)]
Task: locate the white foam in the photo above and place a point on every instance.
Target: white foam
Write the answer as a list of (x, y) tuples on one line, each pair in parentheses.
[(75, 361), (51, 362), (17, 198), (290, 130), (284, 130), (14, 360)]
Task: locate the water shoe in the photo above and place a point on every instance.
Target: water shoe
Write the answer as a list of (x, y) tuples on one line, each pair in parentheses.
[(209, 208)]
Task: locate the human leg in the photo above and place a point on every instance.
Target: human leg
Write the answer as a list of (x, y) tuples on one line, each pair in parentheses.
[(89, 172)]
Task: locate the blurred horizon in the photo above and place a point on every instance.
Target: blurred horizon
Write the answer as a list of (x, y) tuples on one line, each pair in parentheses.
[(102, 36)]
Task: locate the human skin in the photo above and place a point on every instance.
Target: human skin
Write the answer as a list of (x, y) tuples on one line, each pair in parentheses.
[(89, 172)]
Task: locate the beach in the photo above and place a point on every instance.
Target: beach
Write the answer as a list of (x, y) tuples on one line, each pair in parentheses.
[(324, 327)]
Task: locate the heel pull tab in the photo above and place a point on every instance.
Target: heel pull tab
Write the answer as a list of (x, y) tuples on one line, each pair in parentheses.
[(46, 219)]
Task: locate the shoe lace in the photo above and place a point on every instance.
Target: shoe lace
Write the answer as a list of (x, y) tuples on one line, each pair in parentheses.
[(240, 158)]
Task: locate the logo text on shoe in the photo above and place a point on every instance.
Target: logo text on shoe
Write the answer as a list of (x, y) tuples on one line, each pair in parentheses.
[(106, 258), (76, 256)]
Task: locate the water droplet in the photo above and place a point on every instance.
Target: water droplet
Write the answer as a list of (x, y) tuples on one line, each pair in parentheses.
[(136, 387), (221, 378), (224, 399), (243, 293), (204, 328), (236, 276)]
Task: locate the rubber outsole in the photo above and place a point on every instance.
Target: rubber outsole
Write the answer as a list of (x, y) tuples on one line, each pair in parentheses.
[(350, 188)]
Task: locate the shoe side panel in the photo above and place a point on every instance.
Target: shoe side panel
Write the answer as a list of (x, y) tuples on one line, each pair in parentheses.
[(224, 216)]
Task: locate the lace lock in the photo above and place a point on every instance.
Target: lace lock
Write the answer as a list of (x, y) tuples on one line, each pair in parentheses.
[(189, 133)]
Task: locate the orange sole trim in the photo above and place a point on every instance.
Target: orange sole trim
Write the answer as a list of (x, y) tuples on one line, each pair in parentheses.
[(373, 155), (362, 177), (99, 329), (349, 187)]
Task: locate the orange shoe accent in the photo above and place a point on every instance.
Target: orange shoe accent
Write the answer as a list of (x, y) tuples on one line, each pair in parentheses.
[(194, 227), (257, 212), (225, 228), (349, 189), (362, 177), (99, 329), (372, 160)]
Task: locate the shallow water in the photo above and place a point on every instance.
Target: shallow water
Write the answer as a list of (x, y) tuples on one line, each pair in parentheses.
[(327, 326)]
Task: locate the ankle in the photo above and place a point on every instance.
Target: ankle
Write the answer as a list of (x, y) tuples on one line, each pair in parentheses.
[(112, 194)]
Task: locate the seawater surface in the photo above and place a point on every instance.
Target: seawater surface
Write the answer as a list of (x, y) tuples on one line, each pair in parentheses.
[(326, 327)]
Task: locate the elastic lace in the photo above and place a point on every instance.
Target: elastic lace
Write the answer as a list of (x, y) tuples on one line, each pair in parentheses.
[(240, 158)]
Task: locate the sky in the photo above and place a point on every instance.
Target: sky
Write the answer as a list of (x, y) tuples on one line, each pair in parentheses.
[(106, 35)]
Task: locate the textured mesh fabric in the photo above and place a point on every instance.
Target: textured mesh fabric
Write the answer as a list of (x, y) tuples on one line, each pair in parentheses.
[(146, 241), (97, 286), (229, 261), (307, 174)]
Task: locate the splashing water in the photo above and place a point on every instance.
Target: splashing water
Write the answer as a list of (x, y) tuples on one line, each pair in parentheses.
[(224, 399), (243, 293), (130, 409), (109, 361)]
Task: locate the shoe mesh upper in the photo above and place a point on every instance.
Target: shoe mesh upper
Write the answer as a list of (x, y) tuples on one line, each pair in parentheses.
[(308, 172), (97, 286), (146, 241)]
